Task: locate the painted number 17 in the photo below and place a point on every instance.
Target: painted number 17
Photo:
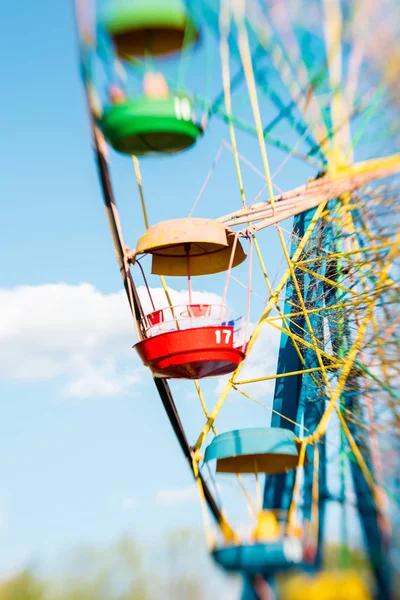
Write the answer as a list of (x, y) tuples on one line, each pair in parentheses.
[(223, 336)]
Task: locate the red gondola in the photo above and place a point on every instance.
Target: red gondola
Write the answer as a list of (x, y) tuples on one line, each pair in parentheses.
[(195, 340), (193, 352)]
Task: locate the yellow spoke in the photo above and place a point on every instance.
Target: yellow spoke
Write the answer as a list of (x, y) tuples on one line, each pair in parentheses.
[(271, 304)]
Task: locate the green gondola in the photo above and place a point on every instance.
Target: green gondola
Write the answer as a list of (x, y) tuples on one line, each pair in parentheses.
[(145, 126), (154, 27)]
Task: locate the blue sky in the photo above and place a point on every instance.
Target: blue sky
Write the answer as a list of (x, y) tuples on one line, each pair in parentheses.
[(87, 451)]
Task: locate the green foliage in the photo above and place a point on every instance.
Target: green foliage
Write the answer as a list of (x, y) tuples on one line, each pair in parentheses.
[(178, 570), (112, 573), (353, 557), (24, 586)]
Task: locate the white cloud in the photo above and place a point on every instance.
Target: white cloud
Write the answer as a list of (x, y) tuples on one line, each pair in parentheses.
[(103, 379), (75, 334), (72, 332), (173, 496)]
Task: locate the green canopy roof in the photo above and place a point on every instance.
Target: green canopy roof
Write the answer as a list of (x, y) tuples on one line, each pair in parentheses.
[(156, 27)]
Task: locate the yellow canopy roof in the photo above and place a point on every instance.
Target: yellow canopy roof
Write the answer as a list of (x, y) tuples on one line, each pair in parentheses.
[(206, 242)]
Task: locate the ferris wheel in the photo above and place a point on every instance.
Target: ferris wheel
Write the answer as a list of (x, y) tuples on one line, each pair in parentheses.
[(311, 268)]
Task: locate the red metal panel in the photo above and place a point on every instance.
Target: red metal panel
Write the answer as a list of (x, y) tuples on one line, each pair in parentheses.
[(199, 310), (155, 317), (191, 353)]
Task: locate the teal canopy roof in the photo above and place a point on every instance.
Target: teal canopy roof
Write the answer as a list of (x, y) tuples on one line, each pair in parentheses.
[(263, 449)]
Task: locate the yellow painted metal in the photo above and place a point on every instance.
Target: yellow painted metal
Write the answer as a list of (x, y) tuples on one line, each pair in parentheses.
[(294, 74), (249, 75), (300, 340), (224, 27), (338, 169), (267, 529), (224, 24), (322, 309), (292, 517), (138, 176), (202, 402), (343, 254), (343, 585), (224, 51), (204, 512), (290, 263), (390, 161), (314, 525), (207, 244), (375, 453), (350, 358), (249, 501), (340, 142), (245, 54), (162, 279), (379, 167), (343, 178), (338, 182), (258, 489), (329, 281), (271, 304), (140, 186), (285, 319), (366, 472), (229, 535), (269, 408), (279, 375)]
